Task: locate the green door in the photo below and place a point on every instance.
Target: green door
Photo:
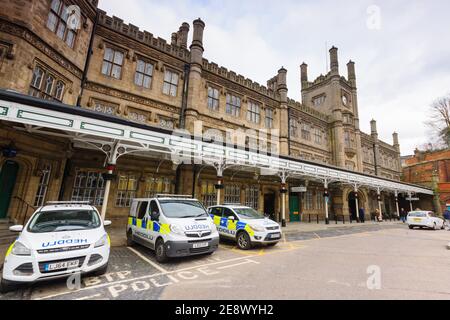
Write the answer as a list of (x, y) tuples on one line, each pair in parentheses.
[(294, 207), (8, 175)]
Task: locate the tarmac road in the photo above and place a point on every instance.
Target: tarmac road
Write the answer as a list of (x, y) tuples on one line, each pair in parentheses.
[(358, 262)]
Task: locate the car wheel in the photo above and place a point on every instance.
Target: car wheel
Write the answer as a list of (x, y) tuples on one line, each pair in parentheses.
[(160, 251), (411, 227), (434, 226), (130, 241), (243, 241), (101, 271)]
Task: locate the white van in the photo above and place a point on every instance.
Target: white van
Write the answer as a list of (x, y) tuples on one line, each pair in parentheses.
[(172, 226)]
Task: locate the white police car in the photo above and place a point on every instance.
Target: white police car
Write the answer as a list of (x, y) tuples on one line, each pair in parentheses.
[(60, 238), (245, 225), (172, 226), (424, 219)]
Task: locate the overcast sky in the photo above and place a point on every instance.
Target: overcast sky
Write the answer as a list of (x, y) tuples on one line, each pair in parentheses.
[(401, 48)]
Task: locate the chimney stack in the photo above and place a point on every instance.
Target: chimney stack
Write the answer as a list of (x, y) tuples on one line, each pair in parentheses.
[(334, 62), (304, 73), (182, 35), (197, 42), (351, 71)]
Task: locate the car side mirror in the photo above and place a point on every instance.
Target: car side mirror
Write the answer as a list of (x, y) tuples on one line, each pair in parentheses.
[(107, 223), (16, 229), (155, 216)]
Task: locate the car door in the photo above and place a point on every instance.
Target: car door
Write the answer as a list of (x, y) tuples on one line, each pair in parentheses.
[(141, 232), (216, 215), (229, 222), (153, 226)]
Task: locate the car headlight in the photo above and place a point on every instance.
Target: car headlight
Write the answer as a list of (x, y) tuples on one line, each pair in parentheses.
[(257, 228), (20, 249), (101, 242), (176, 229)]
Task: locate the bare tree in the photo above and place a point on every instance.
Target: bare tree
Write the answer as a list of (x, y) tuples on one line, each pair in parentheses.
[(439, 121)]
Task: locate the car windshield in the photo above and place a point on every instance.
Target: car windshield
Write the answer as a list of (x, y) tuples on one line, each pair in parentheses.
[(182, 209), (418, 214), (64, 220), (248, 213)]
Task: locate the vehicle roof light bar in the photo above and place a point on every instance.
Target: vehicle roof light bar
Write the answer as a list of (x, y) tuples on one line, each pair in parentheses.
[(67, 202), (174, 196)]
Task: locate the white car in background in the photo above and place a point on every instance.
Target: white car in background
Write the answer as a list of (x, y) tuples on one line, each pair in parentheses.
[(425, 219), (60, 239)]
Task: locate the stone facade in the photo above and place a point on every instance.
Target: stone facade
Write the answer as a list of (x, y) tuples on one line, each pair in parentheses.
[(116, 68)]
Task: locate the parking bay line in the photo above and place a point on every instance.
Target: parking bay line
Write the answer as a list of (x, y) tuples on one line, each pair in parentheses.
[(140, 255), (238, 264), (108, 284)]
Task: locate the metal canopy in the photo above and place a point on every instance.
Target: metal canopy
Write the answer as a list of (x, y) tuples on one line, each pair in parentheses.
[(92, 129)]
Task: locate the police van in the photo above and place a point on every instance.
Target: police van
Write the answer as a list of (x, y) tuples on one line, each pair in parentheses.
[(245, 225), (60, 238), (172, 226)]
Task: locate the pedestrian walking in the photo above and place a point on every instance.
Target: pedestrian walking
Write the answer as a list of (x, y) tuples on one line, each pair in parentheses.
[(362, 215), (403, 215)]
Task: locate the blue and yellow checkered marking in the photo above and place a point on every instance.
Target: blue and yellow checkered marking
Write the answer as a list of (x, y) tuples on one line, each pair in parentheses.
[(149, 225), (232, 225)]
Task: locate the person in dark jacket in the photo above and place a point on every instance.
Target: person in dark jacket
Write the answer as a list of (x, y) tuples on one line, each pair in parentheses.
[(362, 215), (403, 215)]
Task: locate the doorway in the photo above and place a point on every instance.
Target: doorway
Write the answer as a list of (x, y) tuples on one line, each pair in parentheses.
[(269, 205), (8, 176), (352, 205), (294, 207)]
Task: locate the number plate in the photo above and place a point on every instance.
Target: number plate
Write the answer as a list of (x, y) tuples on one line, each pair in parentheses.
[(62, 265), (275, 236), (200, 245), (418, 220)]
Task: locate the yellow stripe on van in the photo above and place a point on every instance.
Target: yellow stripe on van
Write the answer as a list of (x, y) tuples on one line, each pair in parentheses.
[(164, 229), (139, 223), (217, 220), (130, 221)]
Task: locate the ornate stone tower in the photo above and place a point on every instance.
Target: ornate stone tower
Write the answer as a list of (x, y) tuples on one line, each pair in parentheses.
[(336, 96), (195, 75)]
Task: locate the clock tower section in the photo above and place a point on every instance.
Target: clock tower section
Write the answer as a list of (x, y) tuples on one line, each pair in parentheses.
[(336, 96)]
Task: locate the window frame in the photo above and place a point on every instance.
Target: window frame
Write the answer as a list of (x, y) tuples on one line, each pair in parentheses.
[(144, 73), (170, 83), (124, 197), (233, 108), (82, 188), (60, 20), (253, 112), (213, 101), (40, 90), (112, 63)]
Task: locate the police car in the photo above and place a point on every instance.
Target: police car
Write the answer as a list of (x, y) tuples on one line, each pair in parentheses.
[(60, 238), (172, 226), (425, 219), (245, 225)]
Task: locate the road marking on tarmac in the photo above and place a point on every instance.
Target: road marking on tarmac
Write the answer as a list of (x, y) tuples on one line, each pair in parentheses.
[(147, 260), (238, 264), (112, 283)]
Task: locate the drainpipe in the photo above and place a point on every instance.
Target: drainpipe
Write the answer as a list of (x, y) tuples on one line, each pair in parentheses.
[(182, 121), (187, 71), (88, 59)]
